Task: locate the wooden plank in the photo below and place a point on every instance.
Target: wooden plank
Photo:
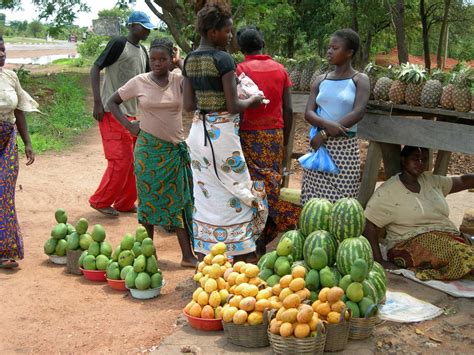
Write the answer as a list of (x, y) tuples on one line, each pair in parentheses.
[(437, 135), (442, 163), (386, 106), (369, 176), (391, 159)]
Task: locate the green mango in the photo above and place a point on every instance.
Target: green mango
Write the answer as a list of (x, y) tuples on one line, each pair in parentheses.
[(326, 277), (85, 241), (359, 270), (284, 247), (98, 233), (273, 280), (89, 262), (59, 231), (355, 292), (81, 258), (313, 296), (50, 246), (127, 242), (143, 281), (270, 260), (101, 262), (124, 271), (139, 264), (318, 259), (282, 266), (60, 215), (73, 241), (113, 271), (156, 280), (81, 226), (126, 258), (137, 249), (312, 280), (130, 279), (61, 247), (151, 265), (116, 253), (265, 274), (148, 249), (94, 249), (106, 249), (345, 281), (366, 305), (354, 309), (141, 234)]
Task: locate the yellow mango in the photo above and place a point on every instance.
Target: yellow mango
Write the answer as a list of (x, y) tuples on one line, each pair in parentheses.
[(214, 299)]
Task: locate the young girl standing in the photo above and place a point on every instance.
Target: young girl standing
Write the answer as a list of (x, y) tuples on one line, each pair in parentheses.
[(229, 206), (336, 103)]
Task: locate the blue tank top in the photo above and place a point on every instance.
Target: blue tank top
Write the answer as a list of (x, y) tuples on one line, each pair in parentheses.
[(336, 99)]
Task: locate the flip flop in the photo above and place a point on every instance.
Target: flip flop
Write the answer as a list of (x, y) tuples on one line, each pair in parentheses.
[(8, 264), (108, 211)]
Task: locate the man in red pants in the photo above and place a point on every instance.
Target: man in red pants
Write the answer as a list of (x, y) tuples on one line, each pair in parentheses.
[(123, 58)]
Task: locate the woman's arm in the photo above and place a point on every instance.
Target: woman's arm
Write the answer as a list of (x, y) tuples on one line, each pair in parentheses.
[(362, 97), (189, 97), (25, 136), (113, 103), (372, 233), (462, 182), (234, 104)]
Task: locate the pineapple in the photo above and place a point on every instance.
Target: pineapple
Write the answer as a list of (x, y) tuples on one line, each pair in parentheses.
[(415, 78), (433, 89), (462, 95), (295, 77), (306, 75), (399, 86), (371, 70), (447, 97), (382, 88)]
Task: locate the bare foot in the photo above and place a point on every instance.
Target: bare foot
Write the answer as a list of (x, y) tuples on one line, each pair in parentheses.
[(191, 263)]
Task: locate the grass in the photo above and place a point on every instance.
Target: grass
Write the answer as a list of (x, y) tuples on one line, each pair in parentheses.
[(64, 115), (10, 40)]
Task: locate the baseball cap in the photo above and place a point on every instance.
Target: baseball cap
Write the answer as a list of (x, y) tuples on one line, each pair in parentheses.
[(141, 18)]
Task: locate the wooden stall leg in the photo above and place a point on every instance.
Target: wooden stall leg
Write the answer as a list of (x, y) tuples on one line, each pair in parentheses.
[(442, 162), (391, 159), (371, 170)]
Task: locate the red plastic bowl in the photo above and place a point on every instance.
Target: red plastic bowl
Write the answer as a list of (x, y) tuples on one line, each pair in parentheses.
[(118, 285), (94, 275), (204, 324)]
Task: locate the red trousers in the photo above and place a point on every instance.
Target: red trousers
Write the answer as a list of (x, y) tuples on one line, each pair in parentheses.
[(117, 187)]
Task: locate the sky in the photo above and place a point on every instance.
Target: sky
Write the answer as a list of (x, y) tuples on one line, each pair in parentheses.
[(83, 19)]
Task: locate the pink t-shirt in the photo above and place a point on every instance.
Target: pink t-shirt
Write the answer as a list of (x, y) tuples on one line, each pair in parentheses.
[(160, 107)]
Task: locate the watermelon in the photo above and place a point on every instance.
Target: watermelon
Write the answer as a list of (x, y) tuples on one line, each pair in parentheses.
[(379, 285), (347, 219), (351, 249), (298, 242), (379, 269), (321, 239), (315, 216)]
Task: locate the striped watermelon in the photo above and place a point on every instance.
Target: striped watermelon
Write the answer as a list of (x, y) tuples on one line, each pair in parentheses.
[(323, 240), (379, 285), (351, 249), (379, 269), (347, 219), (315, 216), (298, 242)]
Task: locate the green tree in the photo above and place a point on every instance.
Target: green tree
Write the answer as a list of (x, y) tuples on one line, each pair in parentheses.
[(35, 28)]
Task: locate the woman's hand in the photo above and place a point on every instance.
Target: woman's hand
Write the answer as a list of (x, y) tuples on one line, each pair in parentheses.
[(30, 155), (317, 141), (335, 129), (256, 100), (134, 127), (98, 111)]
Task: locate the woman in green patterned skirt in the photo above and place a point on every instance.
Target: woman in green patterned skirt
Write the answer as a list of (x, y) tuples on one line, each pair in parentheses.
[(162, 163)]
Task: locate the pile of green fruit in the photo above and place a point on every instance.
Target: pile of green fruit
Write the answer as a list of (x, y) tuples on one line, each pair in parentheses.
[(61, 233), (135, 261), (98, 253), (277, 263)]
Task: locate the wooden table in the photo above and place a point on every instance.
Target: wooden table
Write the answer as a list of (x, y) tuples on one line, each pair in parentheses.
[(387, 127)]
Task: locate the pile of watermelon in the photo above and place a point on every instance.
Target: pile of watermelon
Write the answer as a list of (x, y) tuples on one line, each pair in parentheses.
[(329, 243)]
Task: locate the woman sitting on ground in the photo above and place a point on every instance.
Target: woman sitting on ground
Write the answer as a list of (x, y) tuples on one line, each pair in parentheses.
[(411, 206)]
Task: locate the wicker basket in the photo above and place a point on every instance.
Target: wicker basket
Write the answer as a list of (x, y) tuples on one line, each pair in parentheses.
[(292, 345), (72, 263), (361, 328), (249, 336), (337, 334)]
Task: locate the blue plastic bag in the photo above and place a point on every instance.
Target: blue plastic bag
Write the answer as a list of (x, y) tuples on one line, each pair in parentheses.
[(319, 160)]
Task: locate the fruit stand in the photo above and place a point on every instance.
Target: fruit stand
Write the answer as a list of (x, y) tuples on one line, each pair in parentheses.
[(388, 126)]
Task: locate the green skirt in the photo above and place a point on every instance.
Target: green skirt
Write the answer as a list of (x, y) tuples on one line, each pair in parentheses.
[(164, 182)]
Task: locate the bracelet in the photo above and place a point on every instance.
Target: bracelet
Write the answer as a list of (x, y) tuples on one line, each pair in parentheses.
[(324, 134)]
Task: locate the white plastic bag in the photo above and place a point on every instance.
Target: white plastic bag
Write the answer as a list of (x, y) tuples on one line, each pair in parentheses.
[(246, 88)]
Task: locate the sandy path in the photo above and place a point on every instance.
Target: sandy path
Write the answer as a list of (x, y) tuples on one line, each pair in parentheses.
[(50, 311)]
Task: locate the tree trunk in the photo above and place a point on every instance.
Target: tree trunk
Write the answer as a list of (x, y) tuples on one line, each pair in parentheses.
[(442, 35), (398, 15), (355, 24), (425, 34)]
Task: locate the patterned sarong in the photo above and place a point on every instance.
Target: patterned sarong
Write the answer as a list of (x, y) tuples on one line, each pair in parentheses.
[(229, 206), (345, 154), (11, 242), (434, 255), (263, 151), (164, 182)]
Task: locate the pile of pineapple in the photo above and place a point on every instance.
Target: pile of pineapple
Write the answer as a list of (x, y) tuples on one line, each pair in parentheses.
[(410, 84)]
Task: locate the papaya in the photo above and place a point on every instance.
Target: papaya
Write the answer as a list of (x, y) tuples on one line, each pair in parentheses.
[(94, 248), (124, 271), (81, 226), (98, 233), (148, 249), (282, 265), (113, 271), (156, 280), (270, 260), (273, 280), (318, 259), (59, 231), (81, 258), (151, 265), (142, 281), (345, 281), (366, 305), (312, 280), (355, 292), (127, 242), (61, 247), (101, 262), (105, 249), (326, 277), (130, 278), (354, 309), (359, 270), (89, 262), (141, 234), (85, 241), (284, 247), (139, 264), (73, 241), (60, 215), (265, 274)]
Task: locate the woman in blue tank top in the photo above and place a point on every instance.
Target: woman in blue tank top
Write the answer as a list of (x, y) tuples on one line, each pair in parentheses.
[(336, 103)]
